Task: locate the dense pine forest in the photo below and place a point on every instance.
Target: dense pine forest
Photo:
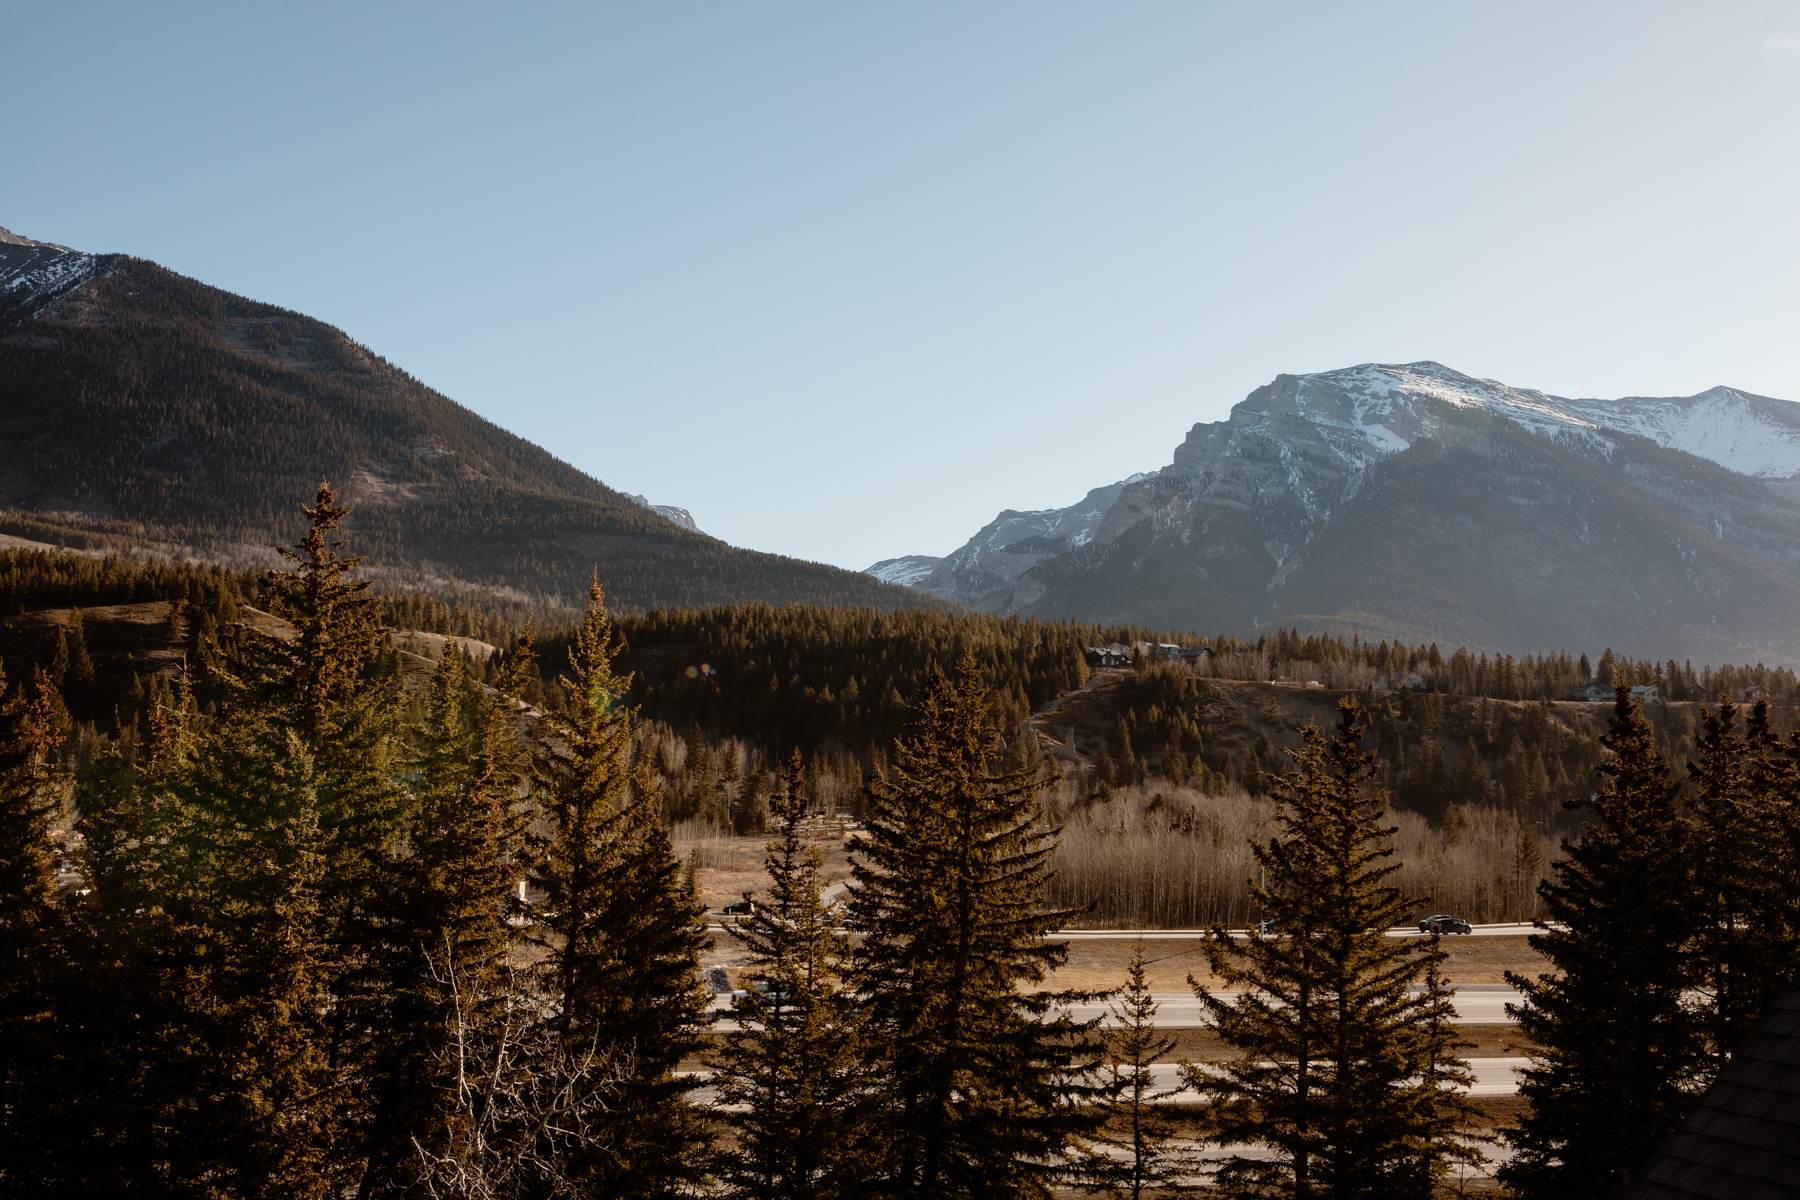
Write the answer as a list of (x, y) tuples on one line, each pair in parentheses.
[(727, 692), (293, 903)]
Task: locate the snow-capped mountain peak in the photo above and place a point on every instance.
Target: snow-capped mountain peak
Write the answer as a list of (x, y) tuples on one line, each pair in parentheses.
[(1392, 405), (1381, 408), (1240, 512)]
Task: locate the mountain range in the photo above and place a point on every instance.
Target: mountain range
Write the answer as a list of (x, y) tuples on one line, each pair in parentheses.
[(1412, 501), (148, 413)]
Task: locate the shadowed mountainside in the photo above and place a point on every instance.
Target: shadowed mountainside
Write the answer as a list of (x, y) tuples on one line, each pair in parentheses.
[(148, 413)]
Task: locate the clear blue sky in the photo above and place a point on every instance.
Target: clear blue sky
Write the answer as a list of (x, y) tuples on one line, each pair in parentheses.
[(847, 279)]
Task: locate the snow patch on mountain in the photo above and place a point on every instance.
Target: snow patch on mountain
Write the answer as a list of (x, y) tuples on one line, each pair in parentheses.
[(1382, 408), (907, 571), (1388, 406), (1752, 435), (679, 516), (32, 274), (57, 273), (1075, 525)]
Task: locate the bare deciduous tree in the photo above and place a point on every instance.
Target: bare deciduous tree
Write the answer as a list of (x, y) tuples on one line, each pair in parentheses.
[(517, 1099)]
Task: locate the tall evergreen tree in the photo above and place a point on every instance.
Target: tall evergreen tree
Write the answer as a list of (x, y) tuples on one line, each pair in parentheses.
[(791, 1074), (1438, 1142), (1133, 1156), (1774, 779), (125, 801), (271, 838), (279, 978), (329, 692), (1341, 1068), (979, 1074), (519, 681), (145, 1041), (81, 664), (33, 790), (1620, 1048), (247, 1098), (1728, 831), (449, 917), (624, 934), (327, 684)]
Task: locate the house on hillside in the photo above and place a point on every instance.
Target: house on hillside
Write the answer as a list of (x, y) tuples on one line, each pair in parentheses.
[(1115, 655), (1598, 693), (1173, 652), (1752, 694), (1743, 1140), (1406, 681)]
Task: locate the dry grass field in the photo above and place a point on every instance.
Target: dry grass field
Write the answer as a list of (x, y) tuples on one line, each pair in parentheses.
[(728, 867)]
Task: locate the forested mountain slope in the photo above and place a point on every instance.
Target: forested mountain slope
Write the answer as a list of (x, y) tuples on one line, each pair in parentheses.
[(146, 412)]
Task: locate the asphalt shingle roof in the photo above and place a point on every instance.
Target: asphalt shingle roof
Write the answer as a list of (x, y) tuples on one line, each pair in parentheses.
[(1743, 1141)]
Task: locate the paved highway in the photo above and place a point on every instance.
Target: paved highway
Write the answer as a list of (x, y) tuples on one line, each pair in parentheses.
[(1493, 1077), (1208, 1155), (1476, 1004), (1515, 929)]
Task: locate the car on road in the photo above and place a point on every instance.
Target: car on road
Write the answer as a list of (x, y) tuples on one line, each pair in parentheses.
[(740, 908), (761, 987), (1445, 923), (1265, 927)]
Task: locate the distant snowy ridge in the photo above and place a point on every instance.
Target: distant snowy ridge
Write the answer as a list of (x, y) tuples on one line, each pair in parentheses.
[(906, 571), (1386, 407), (1074, 525), (1301, 447), (1746, 433), (679, 516), (1006, 547)]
